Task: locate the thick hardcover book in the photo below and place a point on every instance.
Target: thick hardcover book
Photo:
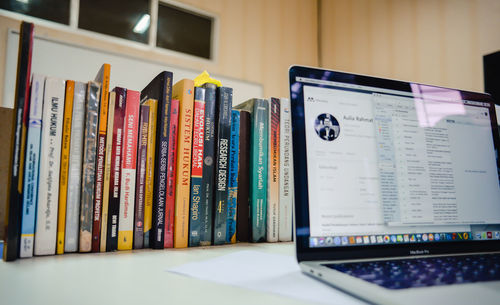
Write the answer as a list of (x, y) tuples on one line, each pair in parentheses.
[(171, 175), (48, 191), (232, 183), (273, 191), (286, 172), (223, 114), (150, 162), (63, 176), (103, 78), (129, 163), (243, 220), (21, 105), (140, 179), (107, 172), (258, 166), (116, 169), (207, 181), (160, 88), (32, 162), (89, 165), (72, 229), (183, 91), (197, 167)]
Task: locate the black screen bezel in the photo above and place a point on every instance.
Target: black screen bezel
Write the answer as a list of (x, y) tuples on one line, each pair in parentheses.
[(302, 234)]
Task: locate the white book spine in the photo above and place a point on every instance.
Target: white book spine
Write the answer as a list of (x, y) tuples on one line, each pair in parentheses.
[(75, 169), (48, 195), (273, 204), (32, 163), (286, 172)]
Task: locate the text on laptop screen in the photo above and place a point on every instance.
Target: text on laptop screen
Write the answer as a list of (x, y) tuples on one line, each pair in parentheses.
[(388, 166)]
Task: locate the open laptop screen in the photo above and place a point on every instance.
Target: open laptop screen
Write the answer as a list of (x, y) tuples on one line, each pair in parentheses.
[(396, 164)]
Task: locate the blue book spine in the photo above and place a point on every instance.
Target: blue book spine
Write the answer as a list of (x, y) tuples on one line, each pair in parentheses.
[(30, 185), (232, 183)]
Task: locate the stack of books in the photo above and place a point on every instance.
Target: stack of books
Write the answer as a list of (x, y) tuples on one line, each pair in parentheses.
[(172, 165)]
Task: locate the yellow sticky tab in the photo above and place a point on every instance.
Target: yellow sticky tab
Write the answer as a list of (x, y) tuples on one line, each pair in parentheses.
[(204, 78)]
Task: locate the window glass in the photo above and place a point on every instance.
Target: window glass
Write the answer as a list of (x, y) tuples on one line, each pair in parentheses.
[(53, 10), (184, 31)]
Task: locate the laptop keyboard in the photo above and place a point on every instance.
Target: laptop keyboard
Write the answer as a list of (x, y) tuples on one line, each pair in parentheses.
[(421, 272)]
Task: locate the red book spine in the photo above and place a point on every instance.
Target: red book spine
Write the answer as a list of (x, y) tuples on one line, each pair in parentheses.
[(171, 171)]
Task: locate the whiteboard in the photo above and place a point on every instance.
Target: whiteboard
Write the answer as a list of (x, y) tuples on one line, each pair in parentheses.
[(80, 63)]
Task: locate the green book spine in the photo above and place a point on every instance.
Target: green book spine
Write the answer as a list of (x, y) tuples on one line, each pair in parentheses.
[(259, 169)]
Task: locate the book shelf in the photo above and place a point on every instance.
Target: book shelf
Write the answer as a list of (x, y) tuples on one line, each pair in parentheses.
[(129, 277)]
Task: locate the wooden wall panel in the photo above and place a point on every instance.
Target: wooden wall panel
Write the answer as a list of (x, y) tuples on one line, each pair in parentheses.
[(431, 41)]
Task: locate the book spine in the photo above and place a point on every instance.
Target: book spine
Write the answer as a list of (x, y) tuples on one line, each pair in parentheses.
[(129, 162), (273, 194), (160, 88), (232, 184), (169, 208), (30, 185), (197, 167), (116, 170), (21, 104), (150, 161), (48, 192), (107, 172), (243, 220), (224, 101), (75, 169), (286, 172), (207, 182), (103, 78), (141, 177), (63, 176), (258, 170), (89, 165), (184, 92)]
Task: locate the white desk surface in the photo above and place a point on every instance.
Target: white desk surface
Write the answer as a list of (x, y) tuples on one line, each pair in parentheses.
[(128, 277)]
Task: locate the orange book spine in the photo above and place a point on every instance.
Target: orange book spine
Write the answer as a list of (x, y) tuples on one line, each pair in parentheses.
[(184, 92)]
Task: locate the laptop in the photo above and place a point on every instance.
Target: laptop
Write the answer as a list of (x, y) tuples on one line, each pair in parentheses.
[(397, 194)]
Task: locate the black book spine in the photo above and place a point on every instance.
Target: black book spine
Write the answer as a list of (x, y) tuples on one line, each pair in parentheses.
[(243, 219), (223, 112), (207, 181), (160, 88), (21, 109)]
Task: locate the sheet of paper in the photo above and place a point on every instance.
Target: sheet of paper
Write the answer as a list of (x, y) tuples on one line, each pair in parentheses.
[(265, 272)]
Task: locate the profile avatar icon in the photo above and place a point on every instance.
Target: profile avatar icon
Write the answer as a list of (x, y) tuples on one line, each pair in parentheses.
[(327, 127)]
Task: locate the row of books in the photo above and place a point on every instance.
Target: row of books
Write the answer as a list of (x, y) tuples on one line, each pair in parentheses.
[(169, 166)]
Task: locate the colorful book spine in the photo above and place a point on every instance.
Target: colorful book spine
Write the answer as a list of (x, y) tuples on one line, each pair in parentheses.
[(197, 167), (207, 182), (150, 161), (258, 166), (169, 209), (89, 164), (140, 182), (243, 220), (48, 192), (273, 192), (160, 88), (21, 104), (63, 176), (107, 172), (183, 91), (30, 185), (72, 227), (116, 169), (102, 78), (232, 183), (129, 163), (286, 172), (223, 113)]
